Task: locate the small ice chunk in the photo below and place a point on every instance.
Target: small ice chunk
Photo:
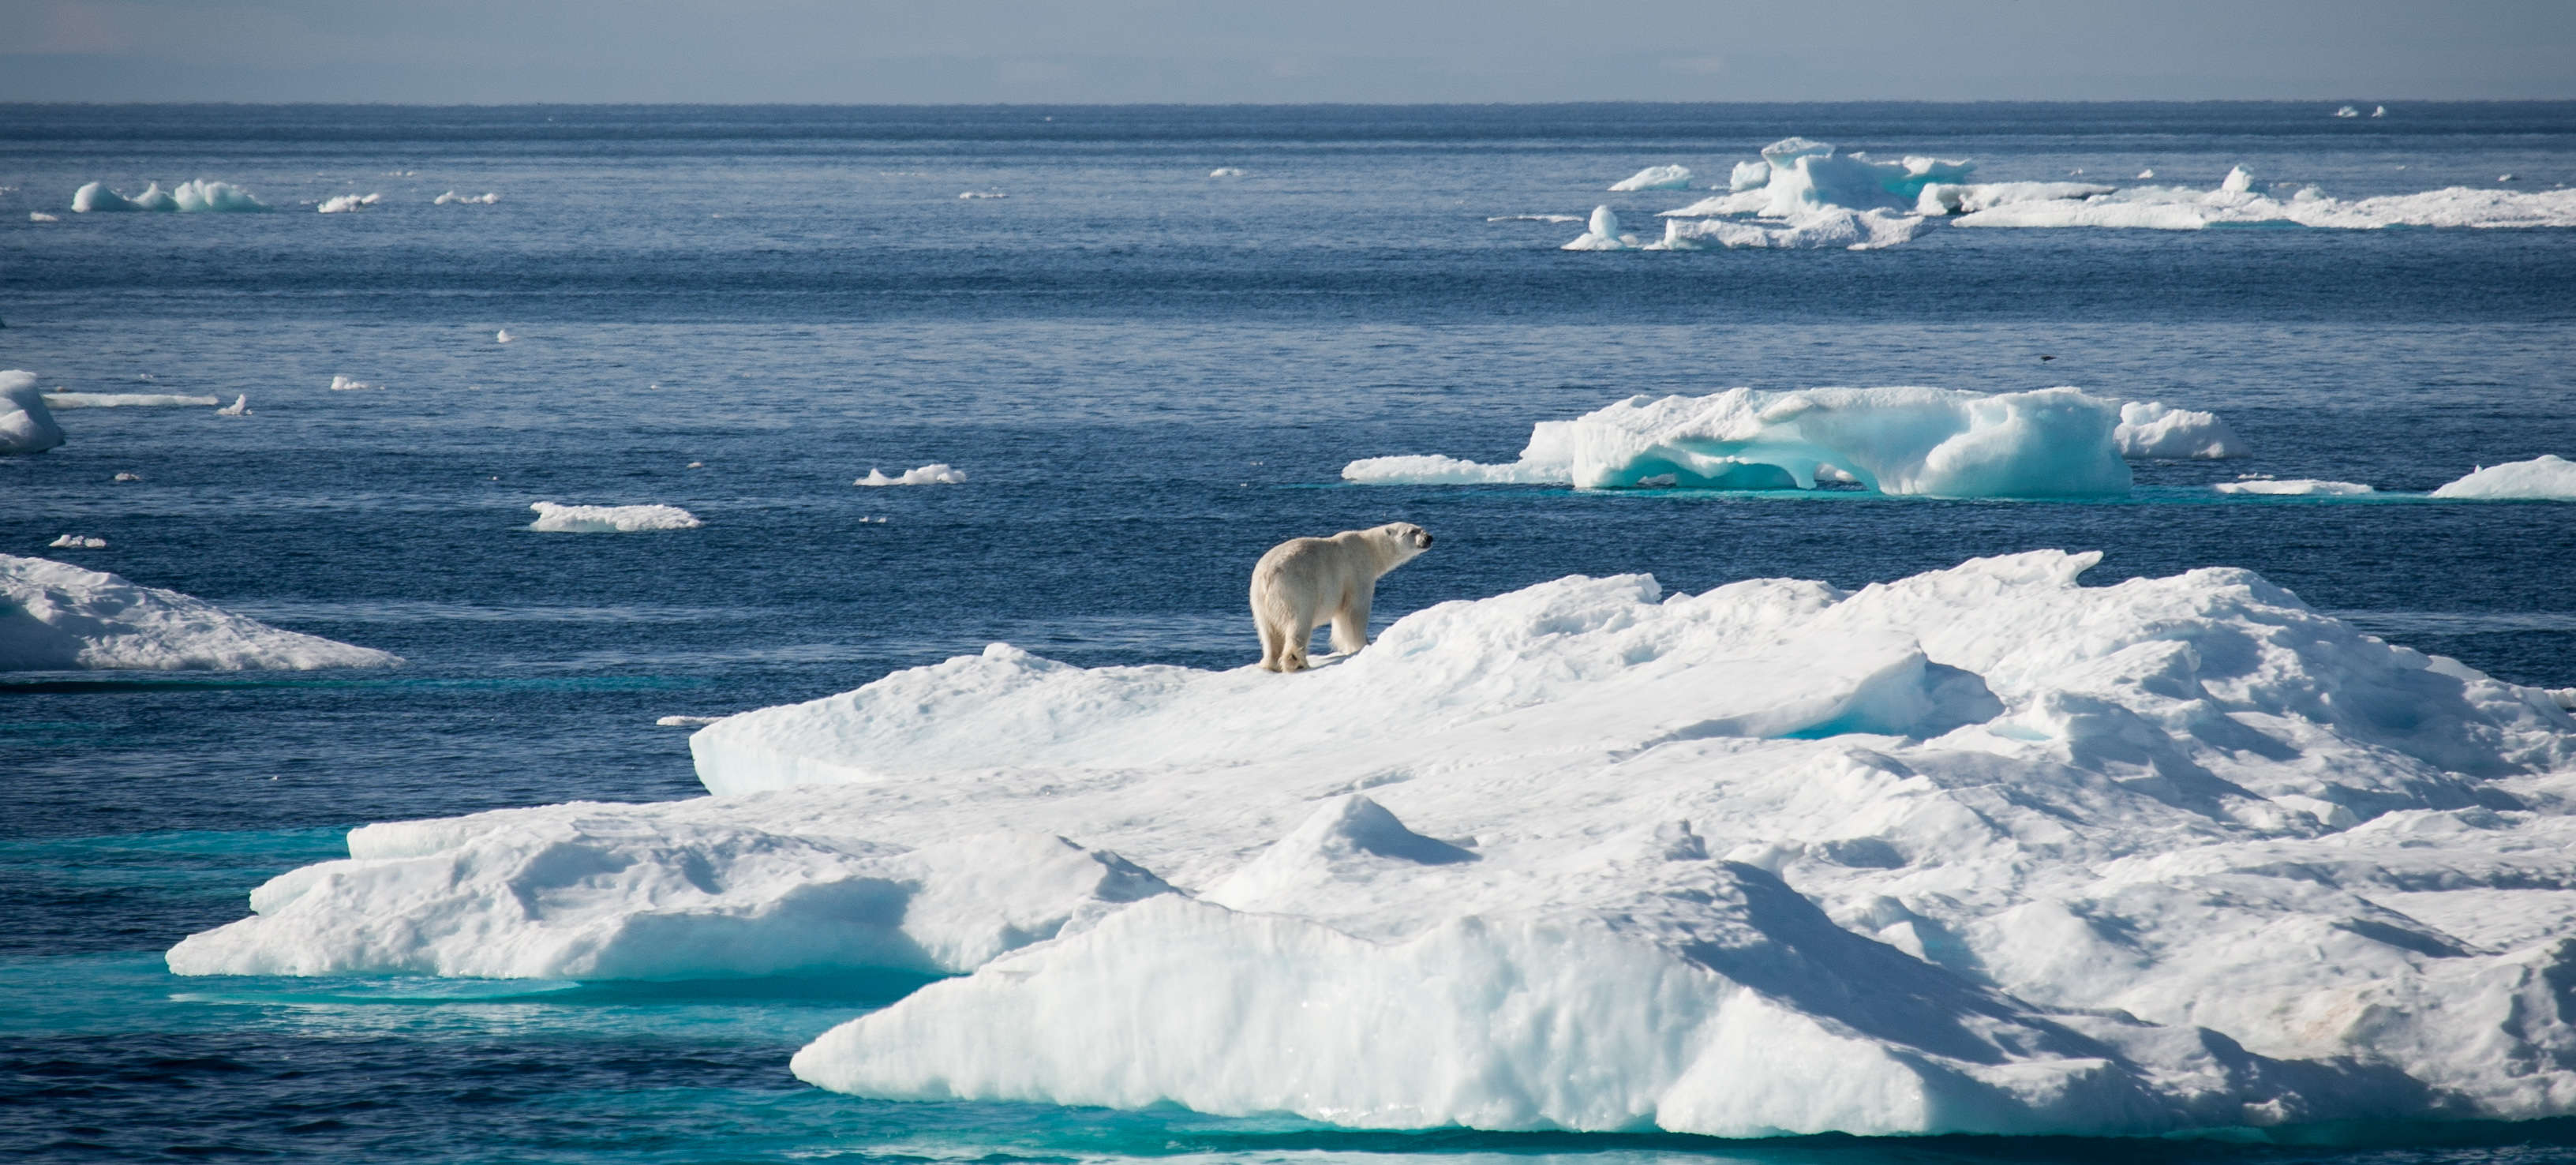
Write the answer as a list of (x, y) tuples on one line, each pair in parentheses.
[(2293, 487), (344, 383), (239, 408), (2149, 172), (129, 477), (1535, 218), (2239, 180), (2153, 429), (1749, 176), (2547, 477), (555, 518), (936, 473), (983, 194), (2504, 177), (1655, 178), (26, 426), (343, 203), (128, 400), (78, 542), (1225, 172), (687, 721), (452, 198), (1603, 234), (2379, 111), (503, 336), (2347, 111), (40, 216)]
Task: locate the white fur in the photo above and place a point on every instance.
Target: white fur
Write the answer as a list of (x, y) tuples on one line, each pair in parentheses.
[(1304, 581)]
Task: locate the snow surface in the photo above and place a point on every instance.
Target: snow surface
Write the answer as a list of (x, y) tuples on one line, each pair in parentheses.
[(344, 203), (26, 425), (1602, 233), (2153, 429), (1851, 230), (54, 615), (2054, 442), (2547, 477), (935, 473), (127, 400), (1655, 178), (197, 195), (2294, 487), (1981, 850), (555, 518)]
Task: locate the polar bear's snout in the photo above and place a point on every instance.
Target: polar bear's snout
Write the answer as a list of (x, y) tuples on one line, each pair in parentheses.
[(1422, 539)]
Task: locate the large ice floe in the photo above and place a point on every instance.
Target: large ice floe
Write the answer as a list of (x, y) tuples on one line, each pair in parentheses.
[(1980, 850), (1812, 194), (26, 425), (56, 616), (194, 196), (558, 518), (2547, 477), (2054, 442)]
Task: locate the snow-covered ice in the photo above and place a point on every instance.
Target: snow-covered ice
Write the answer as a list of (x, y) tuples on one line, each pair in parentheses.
[(1655, 178), (78, 542), (555, 518), (1602, 233), (56, 616), (125, 477), (1535, 218), (40, 216), (984, 194), (2293, 487), (503, 336), (128, 400), (1865, 230), (26, 425), (2153, 429), (196, 195), (935, 473), (1226, 172), (342, 382), (239, 408), (1981, 850), (2053, 442), (2547, 477), (686, 721), (452, 198), (344, 203), (2347, 111)]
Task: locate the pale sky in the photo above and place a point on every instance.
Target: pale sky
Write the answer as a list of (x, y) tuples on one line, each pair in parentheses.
[(486, 51)]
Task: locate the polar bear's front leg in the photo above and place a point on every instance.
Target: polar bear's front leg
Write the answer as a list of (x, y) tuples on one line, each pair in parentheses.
[(1350, 623)]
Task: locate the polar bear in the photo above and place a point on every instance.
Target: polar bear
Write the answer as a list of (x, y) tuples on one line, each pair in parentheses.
[(1304, 581)]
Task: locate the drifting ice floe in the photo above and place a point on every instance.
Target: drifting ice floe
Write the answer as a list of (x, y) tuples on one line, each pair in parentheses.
[(936, 473), (1602, 234), (128, 400), (2547, 477), (2347, 111), (343, 203), (193, 196), (1535, 218), (1225, 172), (54, 616), (2294, 487), (26, 426), (984, 194), (503, 336), (1851, 230), (1655, 178), (686, 721), (239, 408), (554, 518), (452, 198), (346, 383), (2055, 442), (1981, 850), (2153, 429), (78, 542), (40, 216)]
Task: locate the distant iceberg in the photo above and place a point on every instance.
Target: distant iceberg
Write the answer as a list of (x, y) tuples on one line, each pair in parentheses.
[(1939, 442), (1655, 178), (344, 203), (196, 196), (56, 616), (128, 400), (555, 518), (1602, 234), (2547, 477), (936, 473), (26, 425)]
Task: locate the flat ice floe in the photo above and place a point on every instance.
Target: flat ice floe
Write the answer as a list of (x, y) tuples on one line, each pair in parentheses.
[(128, 400), (2056, 442), (2547, 477), (1655, 178), (1982, 850), (936, 473), (556, 518), (26, 425), (2306, 487), (56, 616), (452, 198)]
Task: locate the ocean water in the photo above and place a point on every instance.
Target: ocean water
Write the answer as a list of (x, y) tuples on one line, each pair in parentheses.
[(1150, 375)]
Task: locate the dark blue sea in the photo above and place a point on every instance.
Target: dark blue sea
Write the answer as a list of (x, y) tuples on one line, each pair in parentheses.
[(1149, 375)]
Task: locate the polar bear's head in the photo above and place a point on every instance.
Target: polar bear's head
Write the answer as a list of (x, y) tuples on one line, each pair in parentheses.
[(1404, 538)]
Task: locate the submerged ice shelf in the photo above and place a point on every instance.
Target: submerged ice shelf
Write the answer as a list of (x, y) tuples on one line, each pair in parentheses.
[(1978, 850), (2056, 442), (56, 616)]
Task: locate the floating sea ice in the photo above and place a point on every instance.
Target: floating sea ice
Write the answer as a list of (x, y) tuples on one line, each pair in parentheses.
[(2149, 172), (2347, 111), (345, 383), (2547, 477), (503, 336), (936, 473), (1655, 178), (1969, 198), (78, 542), (26, 425), (194, 196), (2293, 487), (1749, 176), (554, 518), (1603, 234), (54, 616), (452, 198), (1900, 440), (1225, 172), (128, 400), (2153, 429), (129, 477), (2379, 111), (40, 216), (343, 203), (687, 721), (1535, 218), (239, 408), (2239, 180), (1851, 230), (983, 194), (96, 198), (2504, 177)]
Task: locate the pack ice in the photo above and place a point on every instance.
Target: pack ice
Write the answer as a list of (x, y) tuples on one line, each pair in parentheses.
[(1981, 850), (26, 425), (2056, 442), (56, 616), (558, 518)]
